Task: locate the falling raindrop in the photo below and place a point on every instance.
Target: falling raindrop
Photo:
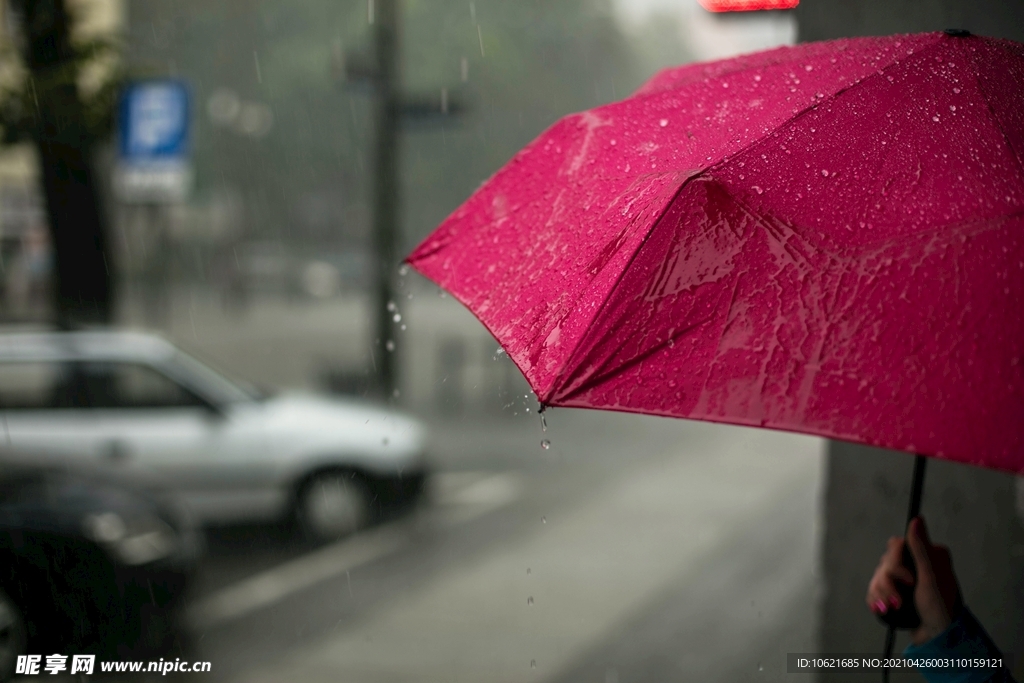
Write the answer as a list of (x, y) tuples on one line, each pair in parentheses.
[(543, 422), (529, 600), (545, 444), (528, 571), (760, 667), (543, 520), (533, 663), (392, 307), (403, 328), (397, 317), (390, 345)]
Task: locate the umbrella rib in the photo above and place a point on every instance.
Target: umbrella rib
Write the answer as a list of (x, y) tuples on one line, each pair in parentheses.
[(597, 378), (814, 105), (995, 121), (561, 380)]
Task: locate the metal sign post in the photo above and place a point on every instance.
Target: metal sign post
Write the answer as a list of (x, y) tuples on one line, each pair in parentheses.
[(153, 170)]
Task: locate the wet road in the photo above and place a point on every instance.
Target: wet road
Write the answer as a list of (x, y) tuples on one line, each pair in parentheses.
[(634, 549)]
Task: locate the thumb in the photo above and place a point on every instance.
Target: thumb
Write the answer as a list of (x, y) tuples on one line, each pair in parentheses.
[(920, 547)]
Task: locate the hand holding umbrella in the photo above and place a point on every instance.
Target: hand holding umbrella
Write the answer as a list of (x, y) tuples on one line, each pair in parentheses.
[(935, 592), (946, 632)]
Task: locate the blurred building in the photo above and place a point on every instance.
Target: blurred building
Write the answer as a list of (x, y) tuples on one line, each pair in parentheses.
[(25, 253)]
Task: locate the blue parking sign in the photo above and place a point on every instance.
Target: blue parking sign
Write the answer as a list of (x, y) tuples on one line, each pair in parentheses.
[(153, 142), (154, 120)]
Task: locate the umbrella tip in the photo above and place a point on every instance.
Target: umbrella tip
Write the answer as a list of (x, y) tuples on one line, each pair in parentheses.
[(957, 32)]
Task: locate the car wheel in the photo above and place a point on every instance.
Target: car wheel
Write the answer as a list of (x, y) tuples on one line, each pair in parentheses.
[(13, 636), (332, 505)]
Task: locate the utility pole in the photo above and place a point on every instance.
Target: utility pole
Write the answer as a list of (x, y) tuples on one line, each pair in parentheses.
[(392, 106), (385, 191)]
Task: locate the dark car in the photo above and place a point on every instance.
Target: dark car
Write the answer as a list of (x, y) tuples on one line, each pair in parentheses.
[(88, 565)]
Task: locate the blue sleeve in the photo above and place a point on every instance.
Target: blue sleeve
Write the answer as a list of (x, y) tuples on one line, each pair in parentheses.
[(965, 638)]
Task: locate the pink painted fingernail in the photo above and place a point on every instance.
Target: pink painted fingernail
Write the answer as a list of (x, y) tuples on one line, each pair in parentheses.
[(881, 607), (894, 601)]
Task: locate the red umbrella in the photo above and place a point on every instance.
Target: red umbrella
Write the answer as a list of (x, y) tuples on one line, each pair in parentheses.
[(826, 239)]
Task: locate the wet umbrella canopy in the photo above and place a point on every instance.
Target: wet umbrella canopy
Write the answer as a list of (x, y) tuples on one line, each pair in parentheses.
[(825, 239)]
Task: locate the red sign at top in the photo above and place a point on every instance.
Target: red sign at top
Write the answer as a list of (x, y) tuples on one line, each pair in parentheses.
[(746, 5)]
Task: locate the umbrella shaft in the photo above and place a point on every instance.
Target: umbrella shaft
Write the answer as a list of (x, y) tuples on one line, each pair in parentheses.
[(916, 488)]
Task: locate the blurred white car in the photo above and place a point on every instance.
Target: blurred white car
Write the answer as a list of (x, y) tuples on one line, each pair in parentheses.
[(138, 403)]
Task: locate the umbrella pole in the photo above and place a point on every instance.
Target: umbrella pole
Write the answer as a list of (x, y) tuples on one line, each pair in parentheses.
[(916, 489)]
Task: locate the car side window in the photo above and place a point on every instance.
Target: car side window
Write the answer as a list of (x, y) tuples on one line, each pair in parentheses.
[(37, 385), (132, 385)]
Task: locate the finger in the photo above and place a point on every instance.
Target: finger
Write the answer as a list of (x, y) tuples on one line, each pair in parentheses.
[(882, 594), (920, 545), (893, 556), (903, 575)]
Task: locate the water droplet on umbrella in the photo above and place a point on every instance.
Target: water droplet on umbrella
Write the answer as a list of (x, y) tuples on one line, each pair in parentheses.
[(824, 173), (758, 189), (952, 107), (545, 444), (935, 118), (663, 123), (956, 91), (403, 271)]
